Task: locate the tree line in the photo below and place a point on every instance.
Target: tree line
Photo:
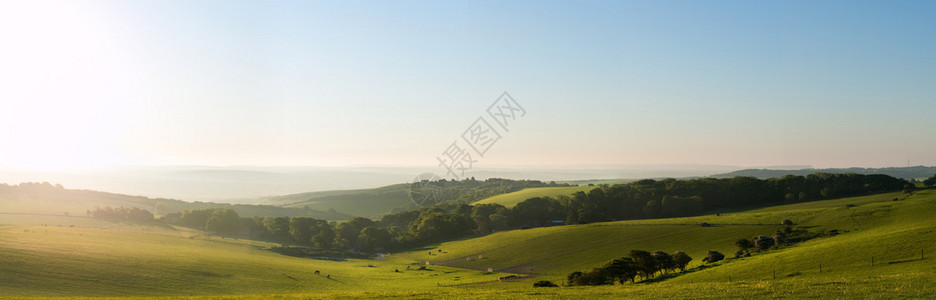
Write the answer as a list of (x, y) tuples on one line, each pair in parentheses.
[(640, 263), (130, 214), (450, 220)]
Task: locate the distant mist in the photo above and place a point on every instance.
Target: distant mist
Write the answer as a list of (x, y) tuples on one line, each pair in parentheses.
[(246, 184)]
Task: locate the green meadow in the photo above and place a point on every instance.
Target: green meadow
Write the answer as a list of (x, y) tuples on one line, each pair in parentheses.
[(46, 257), (511, 199)]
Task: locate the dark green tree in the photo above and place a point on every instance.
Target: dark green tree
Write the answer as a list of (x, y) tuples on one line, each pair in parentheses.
[(621, 269), (664, 261), (645, 263), (223, 221), (713, 256), (681, 259)]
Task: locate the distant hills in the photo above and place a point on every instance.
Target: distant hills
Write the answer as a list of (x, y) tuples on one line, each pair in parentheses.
[(45, 198), (917, 172)]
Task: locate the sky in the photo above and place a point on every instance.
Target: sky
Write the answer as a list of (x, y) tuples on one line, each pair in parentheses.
[(348, 83)]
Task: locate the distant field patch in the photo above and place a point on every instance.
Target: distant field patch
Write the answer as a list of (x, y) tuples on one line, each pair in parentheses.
[(511, 199)]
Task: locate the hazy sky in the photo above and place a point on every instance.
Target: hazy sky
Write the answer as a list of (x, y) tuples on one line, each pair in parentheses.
[(747, 83)]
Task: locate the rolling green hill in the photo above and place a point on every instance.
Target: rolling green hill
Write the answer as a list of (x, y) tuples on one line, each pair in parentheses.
[(361, 202), (394, 198), (45, 256), (893, 231), (511, 199), (100, 258)]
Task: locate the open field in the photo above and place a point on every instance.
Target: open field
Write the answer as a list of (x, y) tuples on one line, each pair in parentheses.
[(511, 199), (94, 259), (98, 258)]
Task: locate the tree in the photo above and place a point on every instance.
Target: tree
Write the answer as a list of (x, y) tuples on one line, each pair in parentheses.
[(744, 244), (664, 261), (621, 269), (300, 229), (644, 262), (713, 256), (762, 242), (779, 237), (348, 232), (681, 259), (324, 235), (544, 283), (593, 277), (195, 218), (278, 227), (673, 206), (535, 212), (930, 181), (374, 239), (574, 278), (223, 220)]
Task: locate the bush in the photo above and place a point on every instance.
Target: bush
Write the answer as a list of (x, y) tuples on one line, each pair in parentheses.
[(544, 283), (594, 277), (713, 256), (786, 222), (762, 242)]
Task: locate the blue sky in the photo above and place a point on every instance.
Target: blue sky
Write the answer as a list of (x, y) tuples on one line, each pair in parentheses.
[(744, 83)]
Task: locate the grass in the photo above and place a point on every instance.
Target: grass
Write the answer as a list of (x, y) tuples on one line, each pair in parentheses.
[(90, 260), (362, 202), (511, 199), (102, 259)]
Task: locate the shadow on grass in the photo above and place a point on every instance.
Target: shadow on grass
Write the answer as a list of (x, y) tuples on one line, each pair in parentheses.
[(673, 275)]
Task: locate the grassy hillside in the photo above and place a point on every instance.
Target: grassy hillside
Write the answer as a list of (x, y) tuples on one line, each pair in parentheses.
[(598, 181), (362, 202), (554, 252), (378, 201), (511, 199), (108, 259), (97, 258)]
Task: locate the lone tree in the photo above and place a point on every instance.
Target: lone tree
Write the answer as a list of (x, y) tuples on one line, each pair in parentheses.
[(681, 259), (713, 256)]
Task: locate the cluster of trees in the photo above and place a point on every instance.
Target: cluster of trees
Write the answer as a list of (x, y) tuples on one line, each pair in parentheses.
[(929, 182), (640, 263), (677, 198), (218, 220), (764, 243), (130, 214)]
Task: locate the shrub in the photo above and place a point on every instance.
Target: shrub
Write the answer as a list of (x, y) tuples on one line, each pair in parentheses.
[(744, 244), (544, 283), (713, 256), (762, 242), (682, 259)]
